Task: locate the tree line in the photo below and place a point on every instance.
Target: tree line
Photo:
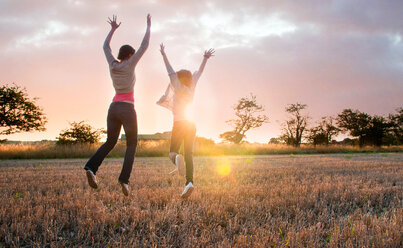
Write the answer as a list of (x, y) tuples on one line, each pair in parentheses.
[(365, 128), (19, 113)]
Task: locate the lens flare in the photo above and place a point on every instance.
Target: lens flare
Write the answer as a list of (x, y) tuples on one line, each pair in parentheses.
[(223, 167)]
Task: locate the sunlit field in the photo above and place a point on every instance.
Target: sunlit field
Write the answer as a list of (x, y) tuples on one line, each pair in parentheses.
[(160, 148), (340, 200)]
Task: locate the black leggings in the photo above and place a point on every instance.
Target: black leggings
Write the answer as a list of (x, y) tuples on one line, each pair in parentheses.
[(183, 131), (120, 113)]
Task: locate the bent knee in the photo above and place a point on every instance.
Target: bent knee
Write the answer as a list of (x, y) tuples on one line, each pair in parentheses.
[(111, 142), (172, 156)]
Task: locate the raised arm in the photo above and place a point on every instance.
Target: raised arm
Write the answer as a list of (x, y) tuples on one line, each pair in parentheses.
[(166, 61), (144, 44), (107, 48), (171, 73), (207, 54)]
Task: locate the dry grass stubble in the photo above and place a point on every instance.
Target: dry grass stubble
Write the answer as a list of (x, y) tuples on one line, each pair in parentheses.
[(311, 200)]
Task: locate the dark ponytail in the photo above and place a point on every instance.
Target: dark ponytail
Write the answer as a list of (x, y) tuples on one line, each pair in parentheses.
[(125, 51)]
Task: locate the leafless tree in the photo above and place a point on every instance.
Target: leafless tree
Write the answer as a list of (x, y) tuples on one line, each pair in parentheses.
[(247, 111), (295, 127)]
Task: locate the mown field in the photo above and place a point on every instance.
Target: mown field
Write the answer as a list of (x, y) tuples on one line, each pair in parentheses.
[(339, 200), (160, 148)]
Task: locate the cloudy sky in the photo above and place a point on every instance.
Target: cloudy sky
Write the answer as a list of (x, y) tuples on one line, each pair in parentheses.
[(329, 55)]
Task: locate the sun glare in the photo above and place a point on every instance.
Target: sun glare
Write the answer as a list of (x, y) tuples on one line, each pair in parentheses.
[(223, 167), (189, 112)]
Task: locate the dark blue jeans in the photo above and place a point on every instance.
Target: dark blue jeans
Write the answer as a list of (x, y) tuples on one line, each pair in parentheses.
[(183, 132), (119, 113)]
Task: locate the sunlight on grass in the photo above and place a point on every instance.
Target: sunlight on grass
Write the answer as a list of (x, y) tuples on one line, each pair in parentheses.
[(223, 167)]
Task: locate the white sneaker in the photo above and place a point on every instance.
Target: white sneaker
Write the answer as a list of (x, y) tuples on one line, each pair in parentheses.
[(180, 163), (92, 179), (188, 191), (125, 188)]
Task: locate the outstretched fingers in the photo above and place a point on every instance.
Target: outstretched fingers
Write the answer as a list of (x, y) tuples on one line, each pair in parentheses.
[(209, 53), (162, 48), (113, 22), (116, 18), (148, 20)]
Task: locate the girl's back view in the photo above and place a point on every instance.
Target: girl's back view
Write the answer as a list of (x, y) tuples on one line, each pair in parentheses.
[(121, 111), (177, 97)]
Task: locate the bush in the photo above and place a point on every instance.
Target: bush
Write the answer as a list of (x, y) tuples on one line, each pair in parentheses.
[(79, 133)]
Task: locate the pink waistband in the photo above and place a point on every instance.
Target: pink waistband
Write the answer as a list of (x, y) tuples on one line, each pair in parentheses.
[(124, 97)]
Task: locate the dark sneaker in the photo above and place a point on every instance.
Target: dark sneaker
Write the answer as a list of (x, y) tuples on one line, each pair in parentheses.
[(188, 191), (125, 188), (92, 179)]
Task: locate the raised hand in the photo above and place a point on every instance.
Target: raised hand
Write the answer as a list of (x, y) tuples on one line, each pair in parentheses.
[(209, 53), (114, 24), (149, 20), (166, 61), (162, 49)]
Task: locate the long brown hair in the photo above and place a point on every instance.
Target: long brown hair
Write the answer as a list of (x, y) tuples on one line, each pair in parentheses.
[(185, 77)]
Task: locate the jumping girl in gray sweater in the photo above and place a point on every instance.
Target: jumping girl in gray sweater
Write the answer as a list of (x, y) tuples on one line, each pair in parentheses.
[(121, 111)]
